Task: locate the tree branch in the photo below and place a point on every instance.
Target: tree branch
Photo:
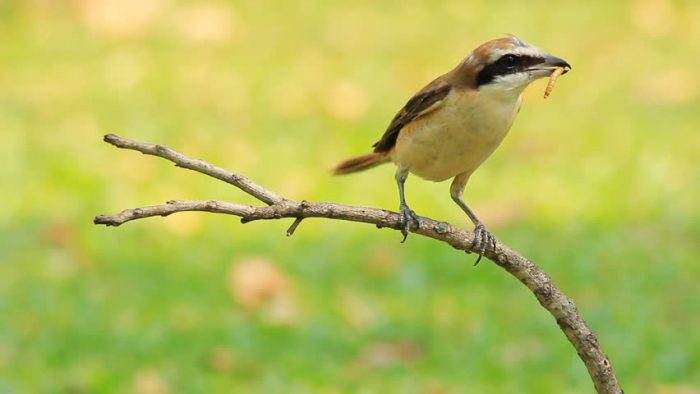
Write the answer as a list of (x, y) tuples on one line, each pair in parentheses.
[(540, 284)]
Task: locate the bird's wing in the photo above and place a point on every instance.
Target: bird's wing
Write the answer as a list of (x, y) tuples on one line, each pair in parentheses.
[(427, 100)]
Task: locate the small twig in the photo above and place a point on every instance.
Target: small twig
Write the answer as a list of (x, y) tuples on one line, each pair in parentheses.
[(540, 284), (290, 231), (293, 227)]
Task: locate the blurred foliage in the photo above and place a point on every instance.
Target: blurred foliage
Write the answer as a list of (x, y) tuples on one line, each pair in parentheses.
[(599, 184)]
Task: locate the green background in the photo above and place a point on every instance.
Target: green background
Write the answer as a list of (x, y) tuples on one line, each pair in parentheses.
[(599, 184)]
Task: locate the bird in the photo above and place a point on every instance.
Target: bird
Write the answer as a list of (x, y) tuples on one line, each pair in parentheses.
[(452, 125)]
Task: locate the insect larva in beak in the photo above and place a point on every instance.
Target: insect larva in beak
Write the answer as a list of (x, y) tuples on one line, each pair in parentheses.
[(552, 80)]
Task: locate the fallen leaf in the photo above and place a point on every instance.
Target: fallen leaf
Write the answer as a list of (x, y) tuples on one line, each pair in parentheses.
[(258, 285), (253, 281)]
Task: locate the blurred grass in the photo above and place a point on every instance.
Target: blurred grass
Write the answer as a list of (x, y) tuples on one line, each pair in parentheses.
[(599, 184)]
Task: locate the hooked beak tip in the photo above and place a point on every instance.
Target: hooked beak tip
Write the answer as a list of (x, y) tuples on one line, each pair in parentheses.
[(554, 61)]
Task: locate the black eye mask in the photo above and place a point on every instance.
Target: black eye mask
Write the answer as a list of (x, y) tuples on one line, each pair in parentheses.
[(505, 65)]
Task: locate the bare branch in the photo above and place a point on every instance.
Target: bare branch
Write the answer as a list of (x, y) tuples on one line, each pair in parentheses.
[(540, 284), (180, 160)]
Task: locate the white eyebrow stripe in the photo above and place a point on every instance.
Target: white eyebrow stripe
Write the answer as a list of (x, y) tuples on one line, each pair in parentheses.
[(519, 50)]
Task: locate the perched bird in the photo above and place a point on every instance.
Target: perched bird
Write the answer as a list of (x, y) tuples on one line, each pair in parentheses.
[(453, 124)]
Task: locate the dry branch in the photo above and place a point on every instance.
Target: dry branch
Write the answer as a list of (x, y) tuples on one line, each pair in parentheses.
[(540, 284)]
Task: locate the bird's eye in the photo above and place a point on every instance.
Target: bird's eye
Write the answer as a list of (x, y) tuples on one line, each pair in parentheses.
[(510, 60)]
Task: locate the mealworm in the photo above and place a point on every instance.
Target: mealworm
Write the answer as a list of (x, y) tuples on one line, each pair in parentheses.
[(552, 80)]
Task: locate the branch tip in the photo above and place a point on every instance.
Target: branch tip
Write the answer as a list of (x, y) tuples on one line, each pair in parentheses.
[(106, 220), (110, 138), (293, 227)]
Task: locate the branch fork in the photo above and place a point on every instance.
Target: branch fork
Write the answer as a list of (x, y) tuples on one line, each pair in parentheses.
[(540, 284)]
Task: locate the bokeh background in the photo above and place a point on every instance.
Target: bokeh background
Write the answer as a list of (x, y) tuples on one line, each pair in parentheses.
[(599, 184)]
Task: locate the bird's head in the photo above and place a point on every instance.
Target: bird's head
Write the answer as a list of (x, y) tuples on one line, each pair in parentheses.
[(509, 64)]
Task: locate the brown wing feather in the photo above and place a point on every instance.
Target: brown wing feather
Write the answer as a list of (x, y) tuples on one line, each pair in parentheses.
[(415, 107)]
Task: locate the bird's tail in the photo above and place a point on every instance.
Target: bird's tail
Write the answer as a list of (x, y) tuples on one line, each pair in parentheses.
[(361, 163)]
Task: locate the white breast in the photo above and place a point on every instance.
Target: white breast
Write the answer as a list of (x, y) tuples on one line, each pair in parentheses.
[(457, 137)]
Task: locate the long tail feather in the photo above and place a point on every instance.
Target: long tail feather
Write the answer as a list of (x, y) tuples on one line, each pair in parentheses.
[(361, 163)]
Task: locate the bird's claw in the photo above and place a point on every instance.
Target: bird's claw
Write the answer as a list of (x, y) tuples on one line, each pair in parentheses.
[(408, 217), (482, 238)]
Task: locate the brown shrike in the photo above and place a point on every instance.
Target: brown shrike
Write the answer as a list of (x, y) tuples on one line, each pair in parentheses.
[(452, 125)]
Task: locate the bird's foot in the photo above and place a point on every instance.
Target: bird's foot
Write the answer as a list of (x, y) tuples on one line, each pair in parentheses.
[(408, 218), (482, 238)]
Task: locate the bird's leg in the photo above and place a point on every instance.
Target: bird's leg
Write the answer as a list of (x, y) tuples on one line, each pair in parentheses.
[(407, 215), (482, 237)]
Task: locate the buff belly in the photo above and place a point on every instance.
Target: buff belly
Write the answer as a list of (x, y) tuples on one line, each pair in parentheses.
[(455, 138)]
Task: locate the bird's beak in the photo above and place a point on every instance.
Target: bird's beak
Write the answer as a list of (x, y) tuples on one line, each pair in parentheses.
[(546, 68), (553, 62)]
